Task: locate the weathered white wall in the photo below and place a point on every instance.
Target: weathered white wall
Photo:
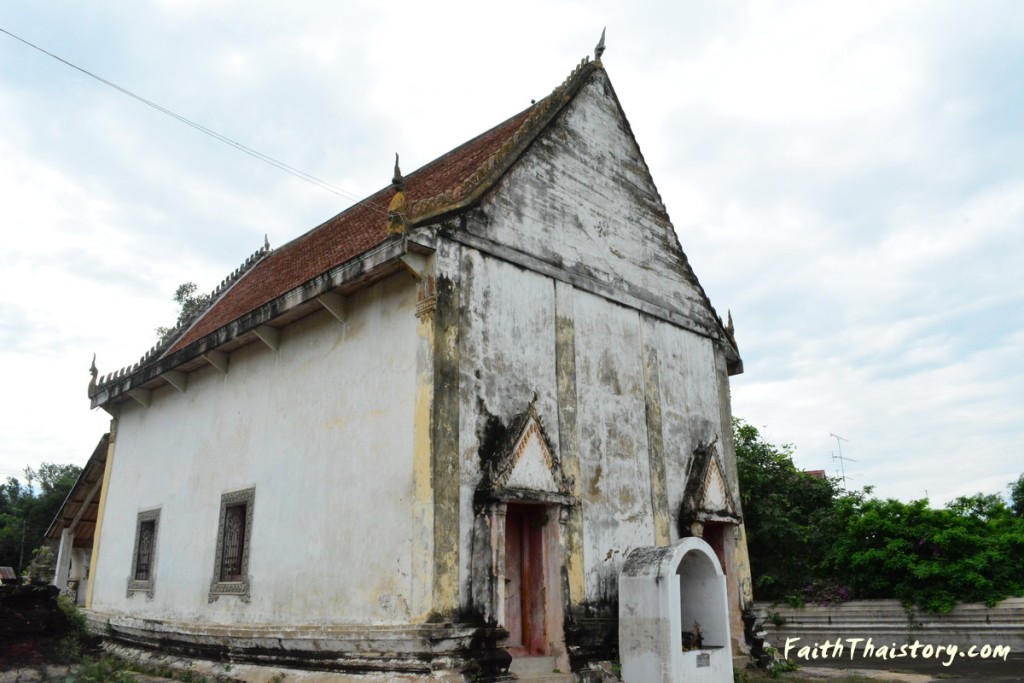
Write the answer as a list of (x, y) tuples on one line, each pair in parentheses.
[(323, 429), (507, 352), (582, 199), (689, 399), (615, 473), (580, 207)]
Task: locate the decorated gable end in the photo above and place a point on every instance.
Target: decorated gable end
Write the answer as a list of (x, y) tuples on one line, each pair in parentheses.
[(423, 436)]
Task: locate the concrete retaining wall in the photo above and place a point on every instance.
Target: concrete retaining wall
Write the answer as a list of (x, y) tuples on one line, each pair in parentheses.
[(886, 622)]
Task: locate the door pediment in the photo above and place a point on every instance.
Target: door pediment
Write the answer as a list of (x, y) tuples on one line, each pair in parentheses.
[(524, 466), (708, 497), (716, 496)]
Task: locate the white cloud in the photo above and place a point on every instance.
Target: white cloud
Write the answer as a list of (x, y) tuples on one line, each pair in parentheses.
[(844, 177)]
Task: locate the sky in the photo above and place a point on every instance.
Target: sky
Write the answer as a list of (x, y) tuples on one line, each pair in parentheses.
[(846, 178)]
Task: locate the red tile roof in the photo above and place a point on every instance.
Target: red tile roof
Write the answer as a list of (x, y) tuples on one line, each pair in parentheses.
[(347, 235), (450, 183)]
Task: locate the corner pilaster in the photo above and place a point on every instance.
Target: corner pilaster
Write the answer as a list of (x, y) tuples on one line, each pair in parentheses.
[(655, 435), (569, 436), (444, 431)]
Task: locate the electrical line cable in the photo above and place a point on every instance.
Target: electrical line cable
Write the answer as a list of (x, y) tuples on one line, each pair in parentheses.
[(302, 175)]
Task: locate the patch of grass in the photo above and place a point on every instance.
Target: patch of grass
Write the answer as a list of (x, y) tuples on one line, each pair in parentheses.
[(104, 669), (79, 650)]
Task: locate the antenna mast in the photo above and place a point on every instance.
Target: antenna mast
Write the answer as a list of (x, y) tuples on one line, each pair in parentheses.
[(840, 457)]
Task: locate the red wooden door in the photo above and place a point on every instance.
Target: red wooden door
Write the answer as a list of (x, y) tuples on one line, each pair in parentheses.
[(525, 590)]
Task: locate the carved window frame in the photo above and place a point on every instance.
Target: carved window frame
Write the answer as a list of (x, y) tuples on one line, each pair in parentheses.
[(146, 586), (241, 588)]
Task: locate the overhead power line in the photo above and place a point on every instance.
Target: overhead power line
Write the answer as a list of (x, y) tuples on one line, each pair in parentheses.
[(302, 175)]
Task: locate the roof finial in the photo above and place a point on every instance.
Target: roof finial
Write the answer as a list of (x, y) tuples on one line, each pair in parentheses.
[(266, 242), (94, 372), (729, 326), (396, 210), (599, 50), (397, 180)]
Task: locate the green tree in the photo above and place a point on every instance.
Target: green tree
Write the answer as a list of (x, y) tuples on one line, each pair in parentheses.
[(788, 514), (188, 301), (1017, 496), (982, 506), (27, 509), (809, 539)]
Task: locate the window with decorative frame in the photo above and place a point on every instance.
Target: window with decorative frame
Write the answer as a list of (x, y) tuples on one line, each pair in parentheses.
[(234, 533), (141, 579)]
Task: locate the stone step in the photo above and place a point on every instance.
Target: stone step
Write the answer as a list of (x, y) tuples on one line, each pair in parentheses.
[(739, 662), (537, 669)]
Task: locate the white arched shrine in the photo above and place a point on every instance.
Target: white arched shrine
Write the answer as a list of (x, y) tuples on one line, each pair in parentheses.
[(664, 593)]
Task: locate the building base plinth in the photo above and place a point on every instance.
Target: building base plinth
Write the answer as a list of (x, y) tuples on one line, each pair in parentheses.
[(338, 653)]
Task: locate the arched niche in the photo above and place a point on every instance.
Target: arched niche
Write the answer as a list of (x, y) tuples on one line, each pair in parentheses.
[(663, 592)]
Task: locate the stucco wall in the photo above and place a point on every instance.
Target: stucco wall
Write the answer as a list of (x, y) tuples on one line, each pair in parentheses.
[(583, 200), (507, 352), (690, 412), (615, 478), (323, 429)]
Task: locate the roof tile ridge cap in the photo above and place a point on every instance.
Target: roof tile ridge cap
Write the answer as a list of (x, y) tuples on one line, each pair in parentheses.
[(689, 273), (728, 336), (220, 290), (495, 165), (178, 331)]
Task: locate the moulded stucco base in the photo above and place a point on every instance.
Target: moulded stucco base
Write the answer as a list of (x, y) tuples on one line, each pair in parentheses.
[(253, 673), (430, 650)]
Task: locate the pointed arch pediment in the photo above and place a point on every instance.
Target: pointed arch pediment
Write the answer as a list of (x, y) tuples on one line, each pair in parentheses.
[(715, 496), (708, 496), (525, 466)]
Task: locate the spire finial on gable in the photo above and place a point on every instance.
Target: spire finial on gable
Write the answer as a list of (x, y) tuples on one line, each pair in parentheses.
[(599, 49), (397, 180), (266, 242), (729, 326), (94, 372), (396, 210)]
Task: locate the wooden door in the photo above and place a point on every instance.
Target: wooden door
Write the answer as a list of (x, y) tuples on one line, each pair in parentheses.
[(525, 578), (714, 536)]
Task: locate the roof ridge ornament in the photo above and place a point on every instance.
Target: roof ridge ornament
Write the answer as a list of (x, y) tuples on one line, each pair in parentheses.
[(397, 180), (397, 208), (599, 48), (94, 373)]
